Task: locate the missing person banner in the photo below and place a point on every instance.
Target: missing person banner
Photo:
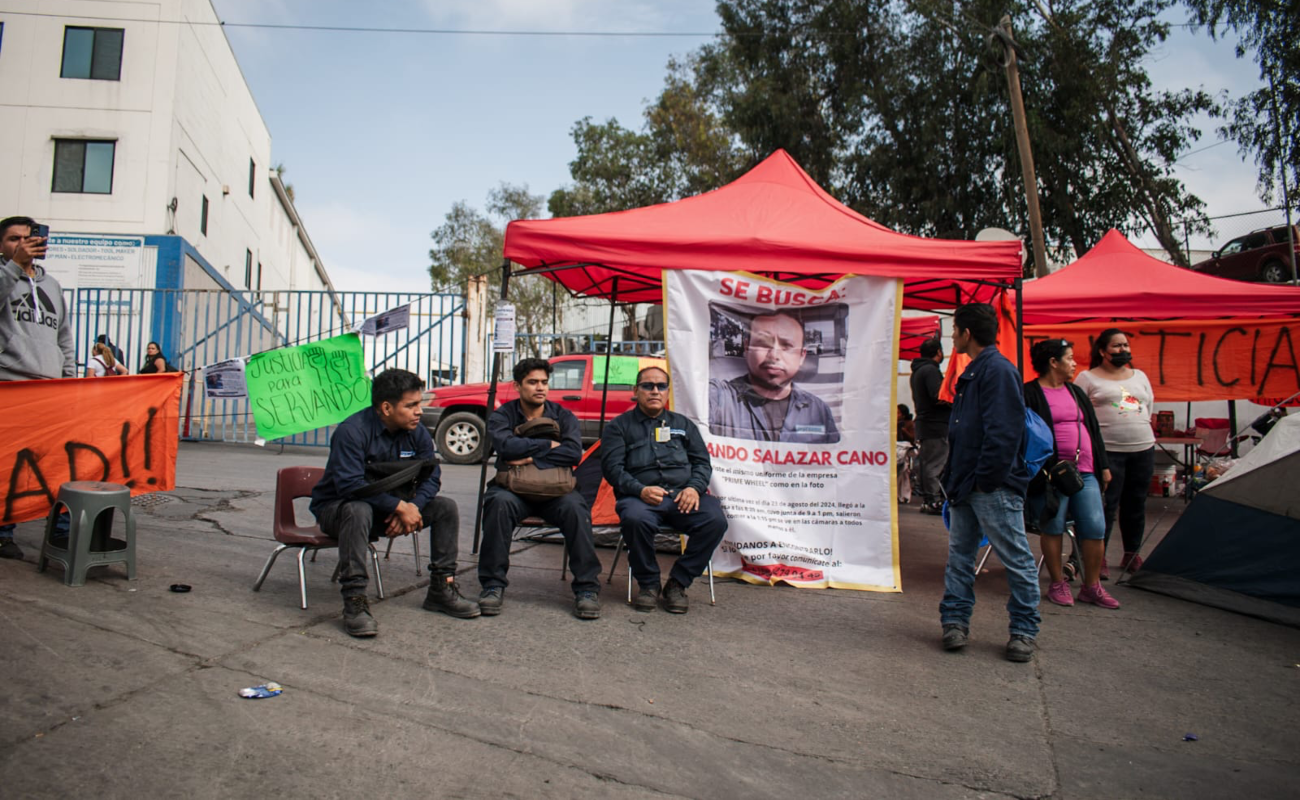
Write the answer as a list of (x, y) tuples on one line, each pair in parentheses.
[(309, 386), (120, 429), (794, 393)]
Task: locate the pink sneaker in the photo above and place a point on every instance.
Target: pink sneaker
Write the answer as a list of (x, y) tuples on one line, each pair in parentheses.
[(1060, 594), (1097, 596)]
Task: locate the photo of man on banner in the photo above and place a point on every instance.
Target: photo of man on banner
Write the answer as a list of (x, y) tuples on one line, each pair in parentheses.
[(798, 413)]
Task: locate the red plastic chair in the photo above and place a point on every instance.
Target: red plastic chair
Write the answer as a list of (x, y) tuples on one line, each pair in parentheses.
[(292, 483)]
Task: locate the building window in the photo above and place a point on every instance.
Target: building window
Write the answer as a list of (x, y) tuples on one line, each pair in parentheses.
[(252, 173), (2, 31), (203, 217), (248, 269), (83, 167), (259, 276), (94, 53)]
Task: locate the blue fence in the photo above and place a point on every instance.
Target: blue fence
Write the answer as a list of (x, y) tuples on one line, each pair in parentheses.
[(196, 327)]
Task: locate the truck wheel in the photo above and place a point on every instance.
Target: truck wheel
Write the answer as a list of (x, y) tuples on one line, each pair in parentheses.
[(1275, 272), (461, 438)]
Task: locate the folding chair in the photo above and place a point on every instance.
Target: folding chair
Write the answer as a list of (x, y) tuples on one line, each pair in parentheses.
[(681, 537), (988, 548), (538, 522), (415, 541), (292, 483)]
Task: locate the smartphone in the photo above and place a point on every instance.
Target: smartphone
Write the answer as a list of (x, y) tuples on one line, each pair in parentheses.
[(41, 231)]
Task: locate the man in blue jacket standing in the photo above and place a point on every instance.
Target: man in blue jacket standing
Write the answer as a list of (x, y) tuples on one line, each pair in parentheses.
[(985, 481)]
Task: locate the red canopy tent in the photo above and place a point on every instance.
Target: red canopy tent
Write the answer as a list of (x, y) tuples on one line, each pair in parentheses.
[(913, 332), (774, 220), (1198, 337)]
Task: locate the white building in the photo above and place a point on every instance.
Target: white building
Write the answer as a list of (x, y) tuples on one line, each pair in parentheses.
[(114, 125)]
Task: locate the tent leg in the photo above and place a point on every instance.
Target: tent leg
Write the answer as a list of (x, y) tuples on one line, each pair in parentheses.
[(609, 356), (1232, 426), (491, 406)]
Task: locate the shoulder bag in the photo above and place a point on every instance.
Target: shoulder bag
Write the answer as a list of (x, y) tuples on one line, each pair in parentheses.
[(529, 482)]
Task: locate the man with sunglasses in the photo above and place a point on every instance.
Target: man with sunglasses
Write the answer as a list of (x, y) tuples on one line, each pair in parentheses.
[(764, 404), (659, 468)]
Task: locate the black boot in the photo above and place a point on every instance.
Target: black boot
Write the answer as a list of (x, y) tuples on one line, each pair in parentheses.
[(675, 597), (356, 617), (445, 596)]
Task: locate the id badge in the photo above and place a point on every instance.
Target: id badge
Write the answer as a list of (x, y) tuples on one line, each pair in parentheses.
[(663, 434)]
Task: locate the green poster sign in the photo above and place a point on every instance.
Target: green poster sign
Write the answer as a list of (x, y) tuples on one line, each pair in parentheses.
[(296, 389), (622, 370)]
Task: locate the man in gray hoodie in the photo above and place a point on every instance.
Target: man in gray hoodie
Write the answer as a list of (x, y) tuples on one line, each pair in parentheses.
[(35, 333)]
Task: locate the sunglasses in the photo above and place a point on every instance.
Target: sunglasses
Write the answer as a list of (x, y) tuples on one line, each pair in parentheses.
[(650, 386)]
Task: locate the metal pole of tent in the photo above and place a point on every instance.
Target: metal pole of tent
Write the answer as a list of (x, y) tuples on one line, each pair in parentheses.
[(1020, 325), (491, 406), (609, 356), (1232, 426)]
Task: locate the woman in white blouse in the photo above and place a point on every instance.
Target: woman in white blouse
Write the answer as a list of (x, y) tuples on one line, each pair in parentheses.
[(102, 363), (1122, 399)]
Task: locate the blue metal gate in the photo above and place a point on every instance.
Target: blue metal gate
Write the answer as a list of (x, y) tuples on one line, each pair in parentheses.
[(197, 327)]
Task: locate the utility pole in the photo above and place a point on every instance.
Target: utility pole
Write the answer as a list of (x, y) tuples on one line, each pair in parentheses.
[(1009, 48), (1282, 164)]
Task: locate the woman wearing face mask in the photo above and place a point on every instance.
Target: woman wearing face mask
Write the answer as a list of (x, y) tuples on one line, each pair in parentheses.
[(1077, 438), (1122, 399)]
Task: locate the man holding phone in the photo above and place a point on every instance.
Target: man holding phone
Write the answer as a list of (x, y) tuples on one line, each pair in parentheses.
[(659, 468), (35, 334)]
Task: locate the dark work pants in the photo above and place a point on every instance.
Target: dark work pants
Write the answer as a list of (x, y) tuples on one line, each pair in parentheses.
[(704, 527), (502, 512), (934, 456), (355, 523), (1126, 497)]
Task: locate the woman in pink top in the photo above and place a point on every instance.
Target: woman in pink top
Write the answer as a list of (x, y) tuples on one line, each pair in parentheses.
[(1066, 410)]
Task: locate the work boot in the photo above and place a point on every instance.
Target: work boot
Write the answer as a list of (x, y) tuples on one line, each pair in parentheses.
[(356, 617), (10, 549), (445, 596), (1020, 648), (647, 598), (491, 600), (586, 605), (955, 637), (675, 597)]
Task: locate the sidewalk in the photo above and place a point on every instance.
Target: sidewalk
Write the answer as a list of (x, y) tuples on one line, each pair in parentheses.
[(125, 689)]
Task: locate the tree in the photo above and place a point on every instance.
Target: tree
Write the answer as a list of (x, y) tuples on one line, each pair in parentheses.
[(470, 242), (1266, 122)]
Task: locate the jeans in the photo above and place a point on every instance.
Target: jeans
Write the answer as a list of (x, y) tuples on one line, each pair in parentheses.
[(1126, 497), (61, 527), (704, 528), (355, 523), (999, 515), (1084, 508), (934, 455), (502, 511)]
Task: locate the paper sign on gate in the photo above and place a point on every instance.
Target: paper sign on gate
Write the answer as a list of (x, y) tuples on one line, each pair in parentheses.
[(794, 394), (225, 379), (394, 319)]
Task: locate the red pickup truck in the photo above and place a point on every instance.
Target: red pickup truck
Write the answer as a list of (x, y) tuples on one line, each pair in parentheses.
[(456, 415)]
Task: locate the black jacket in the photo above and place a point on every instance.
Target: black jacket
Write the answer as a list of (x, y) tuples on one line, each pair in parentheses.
[(931, 412), (1036, 401), (631, 459)]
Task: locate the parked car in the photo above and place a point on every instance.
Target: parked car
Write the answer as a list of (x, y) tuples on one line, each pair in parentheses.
[(456, 415), (1260, 255)]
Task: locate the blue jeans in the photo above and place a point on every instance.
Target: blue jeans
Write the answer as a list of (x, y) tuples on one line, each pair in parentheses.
[(999, 515), (61, 527), (1085, 508)]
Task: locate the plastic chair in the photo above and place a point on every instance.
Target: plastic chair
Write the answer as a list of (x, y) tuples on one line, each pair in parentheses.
[(681, 537), (292, 483), (90, 543)]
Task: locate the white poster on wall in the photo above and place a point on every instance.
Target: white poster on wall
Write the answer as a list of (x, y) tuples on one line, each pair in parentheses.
[(94, 261), (794, 393)]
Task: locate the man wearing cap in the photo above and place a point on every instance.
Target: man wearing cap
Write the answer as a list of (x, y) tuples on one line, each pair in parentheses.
[(659, 468)]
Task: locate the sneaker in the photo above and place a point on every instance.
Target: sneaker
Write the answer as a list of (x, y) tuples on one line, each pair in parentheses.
[(1105, 570), (491, 600), (1059, 593), (1131, 562), (955, 637), (10, 549), (356, 617), (647, 598), (1020, 648), (1097, 596), (675, 597), (445, 596), (586, 605), (933, 509)]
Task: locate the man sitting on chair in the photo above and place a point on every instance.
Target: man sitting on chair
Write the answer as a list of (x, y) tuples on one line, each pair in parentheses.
[(503, 509), (388, 431), (659, 468)]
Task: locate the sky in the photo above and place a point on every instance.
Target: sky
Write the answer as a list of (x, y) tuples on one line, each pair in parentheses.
[(382, 133)]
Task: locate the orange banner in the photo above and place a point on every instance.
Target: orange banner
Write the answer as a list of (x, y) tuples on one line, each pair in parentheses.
[(119, 429), (1224, 359)]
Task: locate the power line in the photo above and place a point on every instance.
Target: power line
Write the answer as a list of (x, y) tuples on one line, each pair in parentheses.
[(365, 29)]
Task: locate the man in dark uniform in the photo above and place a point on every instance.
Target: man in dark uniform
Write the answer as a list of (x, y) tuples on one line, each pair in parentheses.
[(659, 468), (503, 509), (388, 431)]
